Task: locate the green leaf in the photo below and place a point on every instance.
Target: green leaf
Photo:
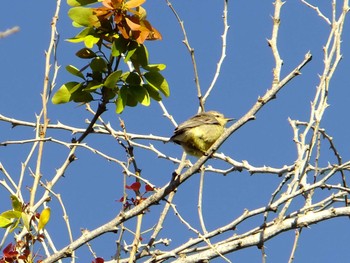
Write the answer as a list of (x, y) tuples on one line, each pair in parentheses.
[(25, 219), (110, 93), (119, 46), (112, 79), (85, 53), (96, 76), (74, 71), (154, 94), (133, 79), (92, 86), (83, 16), (121, 100), (98, 64), (5, 222), (10, 214), (141, 55), (140, 94), (75, 40), (76, 87), (157, 81), (131, 101), (80, 2), (14, 225), (81, 96), (131, 50), (90, 41), (63, 94), (154, 67), (81, 35), (75, 24), (16, 204)]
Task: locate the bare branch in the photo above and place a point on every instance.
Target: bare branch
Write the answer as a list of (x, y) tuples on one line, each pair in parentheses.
[(223, 52), (271, 231), (42, 119), (191, 51), (317, 11), (9, 31), (273, 42)]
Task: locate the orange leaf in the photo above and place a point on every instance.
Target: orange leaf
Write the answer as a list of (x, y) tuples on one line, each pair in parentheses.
[(107, 4), (133, 25), (154, 33), (112, 4), (134, 3), (138, 36), (123, 31)]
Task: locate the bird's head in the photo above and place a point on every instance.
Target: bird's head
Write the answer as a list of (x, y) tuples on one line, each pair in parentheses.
[(220, 117)]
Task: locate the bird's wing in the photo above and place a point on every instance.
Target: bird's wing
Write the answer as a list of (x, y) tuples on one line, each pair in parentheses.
[(195, 121)]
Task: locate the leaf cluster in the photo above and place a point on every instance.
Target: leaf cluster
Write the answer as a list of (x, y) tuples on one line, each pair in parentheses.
[(18, 216), (118, 30)]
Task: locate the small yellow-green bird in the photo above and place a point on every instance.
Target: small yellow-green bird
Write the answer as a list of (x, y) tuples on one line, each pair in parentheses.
[(198, 133)]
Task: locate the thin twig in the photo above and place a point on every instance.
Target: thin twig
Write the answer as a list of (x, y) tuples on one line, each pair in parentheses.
[(317, 11), (273, 42), (223, 52), (98, 129), (8, 176), (137, 237), (164, 213), (42, 119), (200, 201), (9, 31), (191, 51), (295, 244)]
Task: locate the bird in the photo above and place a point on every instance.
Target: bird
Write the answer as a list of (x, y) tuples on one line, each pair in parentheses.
[(198, 133)]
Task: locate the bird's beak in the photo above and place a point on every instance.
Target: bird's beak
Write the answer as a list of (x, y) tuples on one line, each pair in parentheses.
[(230, 119)]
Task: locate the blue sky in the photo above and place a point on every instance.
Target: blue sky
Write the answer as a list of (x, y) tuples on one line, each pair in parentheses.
[(91, 184)]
